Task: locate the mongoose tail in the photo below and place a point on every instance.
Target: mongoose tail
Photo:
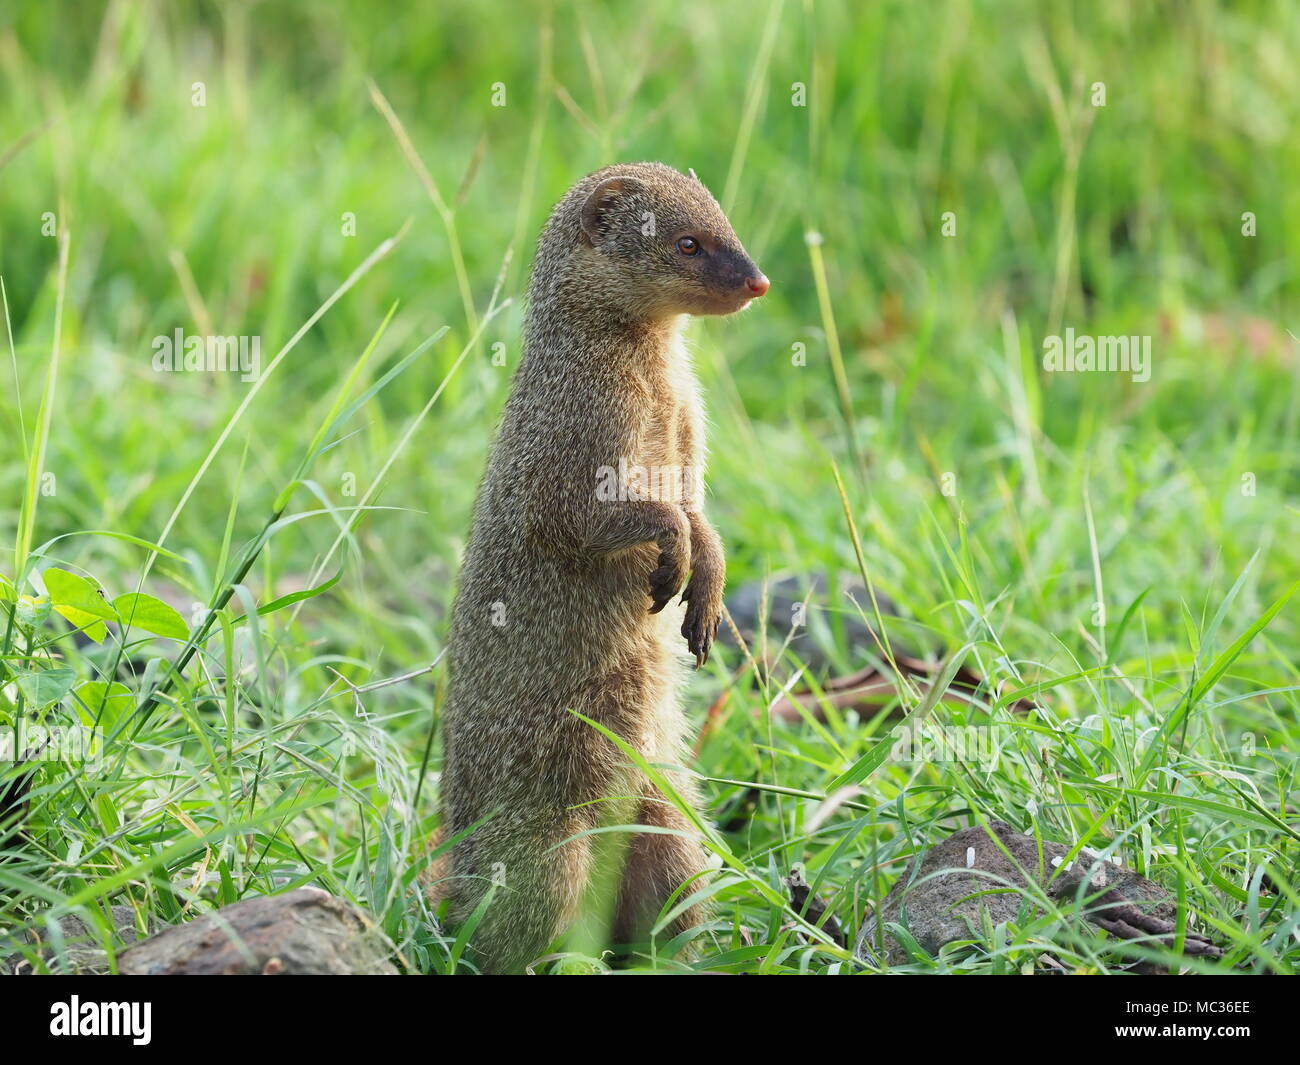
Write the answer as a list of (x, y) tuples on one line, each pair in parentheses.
[(588, 524)]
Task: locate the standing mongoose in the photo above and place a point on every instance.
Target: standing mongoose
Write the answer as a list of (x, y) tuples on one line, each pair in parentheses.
[(589, 520)]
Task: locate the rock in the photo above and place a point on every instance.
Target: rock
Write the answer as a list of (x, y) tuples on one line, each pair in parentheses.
[(797, 613), (932, 899), (307, 932), (804, 597), (82, 954)]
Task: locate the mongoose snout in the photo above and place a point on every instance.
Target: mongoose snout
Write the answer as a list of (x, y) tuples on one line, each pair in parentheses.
[(663, 235), (590, 569)]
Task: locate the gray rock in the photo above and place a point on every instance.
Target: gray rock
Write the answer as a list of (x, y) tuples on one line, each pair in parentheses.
[(82, 954), (770, 608), (933, 898), (307, 932), (798, 614)]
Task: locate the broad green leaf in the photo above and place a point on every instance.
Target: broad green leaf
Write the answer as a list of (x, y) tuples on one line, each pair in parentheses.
[(80, 601), (141, 611), (41, 687), (107, 702), (33, 612)]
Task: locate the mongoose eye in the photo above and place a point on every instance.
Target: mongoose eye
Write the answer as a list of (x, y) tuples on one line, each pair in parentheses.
[(688, 246)]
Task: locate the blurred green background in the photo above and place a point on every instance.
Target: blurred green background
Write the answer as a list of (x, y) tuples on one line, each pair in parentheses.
[(912, 110), (1101, 162)]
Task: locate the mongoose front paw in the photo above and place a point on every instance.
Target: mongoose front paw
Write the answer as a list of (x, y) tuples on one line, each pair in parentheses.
[(703, 612), (669, 576)]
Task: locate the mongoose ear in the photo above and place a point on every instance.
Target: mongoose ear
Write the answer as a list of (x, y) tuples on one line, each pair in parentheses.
[(601, 202)]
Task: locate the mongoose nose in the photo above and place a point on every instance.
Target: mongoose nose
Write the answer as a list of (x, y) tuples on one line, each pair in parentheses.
[(757, 285)]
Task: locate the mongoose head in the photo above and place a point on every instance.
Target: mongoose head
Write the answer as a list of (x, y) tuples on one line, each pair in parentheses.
[(649, 243)]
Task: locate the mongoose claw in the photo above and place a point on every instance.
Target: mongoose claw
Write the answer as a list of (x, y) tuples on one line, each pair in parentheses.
[(664, 583), (667, 578), (699, 633)]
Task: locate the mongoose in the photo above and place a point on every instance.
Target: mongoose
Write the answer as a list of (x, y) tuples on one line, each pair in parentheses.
[(589, 520)]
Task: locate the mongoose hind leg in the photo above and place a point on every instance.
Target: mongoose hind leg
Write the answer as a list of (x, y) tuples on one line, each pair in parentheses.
[(538, 871), (656, 865), (539, 848)]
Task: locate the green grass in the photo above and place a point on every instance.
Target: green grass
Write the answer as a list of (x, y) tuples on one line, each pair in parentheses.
[(1167, 722)]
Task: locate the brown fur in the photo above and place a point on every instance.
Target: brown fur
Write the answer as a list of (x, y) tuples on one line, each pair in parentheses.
[(561, 597)]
